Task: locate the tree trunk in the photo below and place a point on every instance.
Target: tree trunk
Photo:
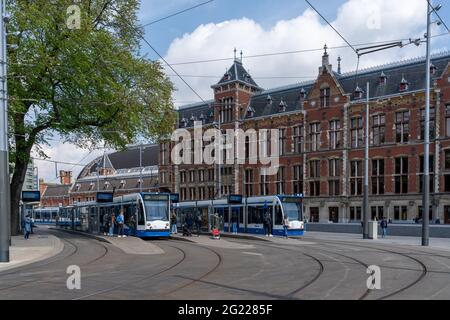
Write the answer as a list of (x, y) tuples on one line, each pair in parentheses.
[(20, 170)]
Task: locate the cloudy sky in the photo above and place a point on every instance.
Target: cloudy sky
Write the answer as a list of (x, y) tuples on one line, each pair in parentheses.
[(212, 31)]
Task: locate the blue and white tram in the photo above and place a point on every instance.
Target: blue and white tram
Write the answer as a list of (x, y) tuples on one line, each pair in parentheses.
[(151, 214), (249, 215), (278, 207), (45, 215)]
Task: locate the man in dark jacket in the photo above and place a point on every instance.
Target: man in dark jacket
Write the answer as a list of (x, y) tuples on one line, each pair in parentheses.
[(383, 225)]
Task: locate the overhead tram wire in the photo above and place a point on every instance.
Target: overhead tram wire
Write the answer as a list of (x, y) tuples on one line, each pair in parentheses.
[(177, 13), (138, 32), (437, 14)]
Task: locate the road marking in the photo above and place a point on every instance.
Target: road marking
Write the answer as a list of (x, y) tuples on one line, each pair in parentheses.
[(253, 253)]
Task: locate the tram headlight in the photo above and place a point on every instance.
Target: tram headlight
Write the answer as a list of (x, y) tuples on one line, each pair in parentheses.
[(167, 226)]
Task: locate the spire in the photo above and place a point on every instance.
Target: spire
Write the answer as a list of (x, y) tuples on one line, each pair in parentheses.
[(339, 64), (235, 54), (241, 57), (326, 66)]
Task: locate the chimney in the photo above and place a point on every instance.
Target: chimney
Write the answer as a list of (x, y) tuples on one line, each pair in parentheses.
[(65, 177)]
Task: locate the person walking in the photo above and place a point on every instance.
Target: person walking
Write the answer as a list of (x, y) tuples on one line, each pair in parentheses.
[(120, 222), (268, 223), (286, 226), (27, 228), (111, 225), (234, 221), (132, 225), (189, 223), (383, 225), (198, 223), (173, 222), (215, 226)]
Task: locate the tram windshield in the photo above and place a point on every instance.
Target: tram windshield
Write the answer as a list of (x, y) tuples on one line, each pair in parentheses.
[(156, 210), (292, 207)]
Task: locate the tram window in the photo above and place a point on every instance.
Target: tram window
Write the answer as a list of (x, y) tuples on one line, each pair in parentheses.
[(256, 214), (278, 215), (141, 219)]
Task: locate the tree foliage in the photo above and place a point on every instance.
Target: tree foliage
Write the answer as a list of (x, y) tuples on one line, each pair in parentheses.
[(87, 85)]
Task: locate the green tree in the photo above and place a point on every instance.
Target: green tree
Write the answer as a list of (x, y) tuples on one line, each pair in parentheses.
[(88, 86)]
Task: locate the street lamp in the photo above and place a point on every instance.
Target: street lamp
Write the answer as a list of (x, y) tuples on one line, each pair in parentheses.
[(5, 206), (219, 178)]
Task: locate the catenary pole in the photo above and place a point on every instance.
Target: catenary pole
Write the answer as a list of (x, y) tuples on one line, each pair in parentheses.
[(426, 151), (366, 171), (4, 161)]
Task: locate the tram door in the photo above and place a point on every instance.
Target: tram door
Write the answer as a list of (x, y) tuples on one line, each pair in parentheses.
[(93, 220), (237, 217)]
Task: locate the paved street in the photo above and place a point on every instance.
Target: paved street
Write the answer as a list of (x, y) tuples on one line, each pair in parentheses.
[(308, 268)]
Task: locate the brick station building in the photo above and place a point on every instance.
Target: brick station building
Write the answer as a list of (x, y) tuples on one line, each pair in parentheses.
[(321, 134)]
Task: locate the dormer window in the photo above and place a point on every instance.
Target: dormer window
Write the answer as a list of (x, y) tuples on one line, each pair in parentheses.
[(250, 112), (122, 184), (269, 99), (302, 93), (106, 185), (282, 106), (404, 85), (77, 187), (192, 119), (184, 122), (358, 92), (226, 76), (383, 79), (432, 69), (139, 182), (211, 115), (91, 186)]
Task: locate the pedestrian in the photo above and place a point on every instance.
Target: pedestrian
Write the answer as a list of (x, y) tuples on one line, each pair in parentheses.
[(32, 225), (234, 221), (173, 222), (132, 225), (198, 222), (286, 226), (383, 225), (111, 225), (27, 228), (57, 220), (215, 226), (268, 224), (106, 221), (189, 223), (120, 223)]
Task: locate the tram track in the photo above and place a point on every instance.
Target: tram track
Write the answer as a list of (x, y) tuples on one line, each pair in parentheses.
[(424, 269), (218, 264), (98, 293), (46, 280)]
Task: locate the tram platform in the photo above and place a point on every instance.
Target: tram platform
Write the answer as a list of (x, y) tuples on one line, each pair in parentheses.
[(38, 247)]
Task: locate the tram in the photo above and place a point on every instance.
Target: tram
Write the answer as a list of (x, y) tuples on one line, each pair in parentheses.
[(247, 213), (146, 214)]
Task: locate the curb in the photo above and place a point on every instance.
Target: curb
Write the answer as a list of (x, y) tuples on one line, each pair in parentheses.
[(223, 235)]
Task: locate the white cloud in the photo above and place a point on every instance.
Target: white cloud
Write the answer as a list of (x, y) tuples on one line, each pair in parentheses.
[(64, 152), (360, 21)]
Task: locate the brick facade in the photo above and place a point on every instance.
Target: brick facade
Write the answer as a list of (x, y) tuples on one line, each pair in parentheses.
[(323, 122)]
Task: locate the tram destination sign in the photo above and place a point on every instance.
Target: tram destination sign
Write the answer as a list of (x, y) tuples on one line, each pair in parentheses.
[(105, 197), (175, 197), (155, 197), (31, 196), (235, 198), (291, 199)]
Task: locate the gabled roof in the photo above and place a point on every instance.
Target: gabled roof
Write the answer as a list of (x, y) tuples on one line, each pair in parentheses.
[(58, 190), (237, 72)]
